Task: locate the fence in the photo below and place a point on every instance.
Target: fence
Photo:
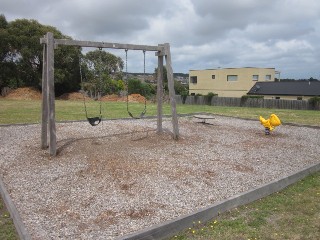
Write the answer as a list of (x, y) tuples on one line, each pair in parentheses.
[(248, 102)]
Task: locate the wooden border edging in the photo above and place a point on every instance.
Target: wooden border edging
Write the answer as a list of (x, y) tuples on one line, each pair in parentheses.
[(170, 228), (18, 223)]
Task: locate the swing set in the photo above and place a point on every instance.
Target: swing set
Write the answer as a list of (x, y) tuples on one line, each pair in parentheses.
[(94, 121), (48, 123)]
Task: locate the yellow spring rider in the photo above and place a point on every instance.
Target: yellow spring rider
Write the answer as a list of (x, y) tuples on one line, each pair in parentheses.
[(270, 124)]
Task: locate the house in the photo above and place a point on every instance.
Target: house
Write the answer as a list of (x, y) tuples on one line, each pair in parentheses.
[(228, 82), (293, 90), (182, 79)]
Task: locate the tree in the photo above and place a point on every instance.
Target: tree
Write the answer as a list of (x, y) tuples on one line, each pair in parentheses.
[(67, 72), (99, 65), (164, 77), (25, 56), (120, 86), (105, 61), (311, 79), (179, 88), (3, 22), (8, 68), (135, 86), (24, 39)]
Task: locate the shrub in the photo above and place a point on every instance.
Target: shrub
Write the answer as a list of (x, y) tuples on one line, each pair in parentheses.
[(209, 97), (314, 101), (184, 95), (211, 94)]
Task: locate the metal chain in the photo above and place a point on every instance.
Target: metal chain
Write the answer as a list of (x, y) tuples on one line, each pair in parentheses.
[(126, 64), (80, 63), (100, 86), (144, 62), (126, 80), (144, 72), (100, 71)]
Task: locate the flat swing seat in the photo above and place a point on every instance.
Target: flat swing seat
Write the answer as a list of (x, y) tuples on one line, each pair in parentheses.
[(204, 118), (94, 121)]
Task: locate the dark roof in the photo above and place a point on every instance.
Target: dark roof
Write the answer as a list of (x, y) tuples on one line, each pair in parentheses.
[(292, 88)]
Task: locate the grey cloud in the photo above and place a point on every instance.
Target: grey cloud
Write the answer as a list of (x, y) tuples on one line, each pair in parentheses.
[(267, 32), (113, 18), (202, 33)]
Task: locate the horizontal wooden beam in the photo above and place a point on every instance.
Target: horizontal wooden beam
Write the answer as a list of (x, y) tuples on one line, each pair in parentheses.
[(70, 42)]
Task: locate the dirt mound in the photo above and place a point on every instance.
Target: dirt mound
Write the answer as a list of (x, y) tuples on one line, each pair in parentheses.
[(72, 96), (131, 98), (136, 98), (33, 94), (25, 93)]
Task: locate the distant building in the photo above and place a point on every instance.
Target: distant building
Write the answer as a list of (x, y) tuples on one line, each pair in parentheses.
[(228, 82), (301, 90), (143, 77), (182, 79)]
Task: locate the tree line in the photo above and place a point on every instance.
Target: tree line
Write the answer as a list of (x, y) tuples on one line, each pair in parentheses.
[(21, 56), (96, 71)]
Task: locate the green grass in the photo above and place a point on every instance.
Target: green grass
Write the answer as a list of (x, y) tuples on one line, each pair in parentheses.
[(7, 229), (293, 213), (29, 111)]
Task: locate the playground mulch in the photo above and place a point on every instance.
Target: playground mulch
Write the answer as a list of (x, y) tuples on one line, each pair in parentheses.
[(121, 176)]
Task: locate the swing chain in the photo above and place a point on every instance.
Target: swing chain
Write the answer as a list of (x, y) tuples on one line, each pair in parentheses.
[(126, 65), (127, 85), (144, 65), (94, 121), (100, 71)]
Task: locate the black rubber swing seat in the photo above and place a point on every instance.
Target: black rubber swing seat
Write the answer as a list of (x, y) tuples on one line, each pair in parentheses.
[(141, 115), (94, 121)]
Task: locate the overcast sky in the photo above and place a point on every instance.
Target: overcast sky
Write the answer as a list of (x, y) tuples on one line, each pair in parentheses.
[(203, 34)]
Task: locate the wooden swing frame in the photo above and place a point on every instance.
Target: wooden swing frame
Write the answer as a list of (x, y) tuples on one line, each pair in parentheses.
[(48, 123)]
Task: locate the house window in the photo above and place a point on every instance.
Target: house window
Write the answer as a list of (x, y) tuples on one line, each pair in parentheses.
[(268, 77), (213, 76), (232, 78), (255, 77), (194, 79)]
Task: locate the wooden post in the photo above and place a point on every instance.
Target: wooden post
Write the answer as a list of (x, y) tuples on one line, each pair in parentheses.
[(159, 91), (171, 92), (44, 116), (51, 97)]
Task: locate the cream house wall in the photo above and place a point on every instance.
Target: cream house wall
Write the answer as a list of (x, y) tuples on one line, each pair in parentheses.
[(220, 81), (286, 97)]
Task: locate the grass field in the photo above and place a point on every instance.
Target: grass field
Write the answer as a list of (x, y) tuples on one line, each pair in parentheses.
[(7, 229), (29, 111), (291, 214)]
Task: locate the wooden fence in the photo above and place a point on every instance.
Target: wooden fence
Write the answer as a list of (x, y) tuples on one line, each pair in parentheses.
[(248, 102)]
